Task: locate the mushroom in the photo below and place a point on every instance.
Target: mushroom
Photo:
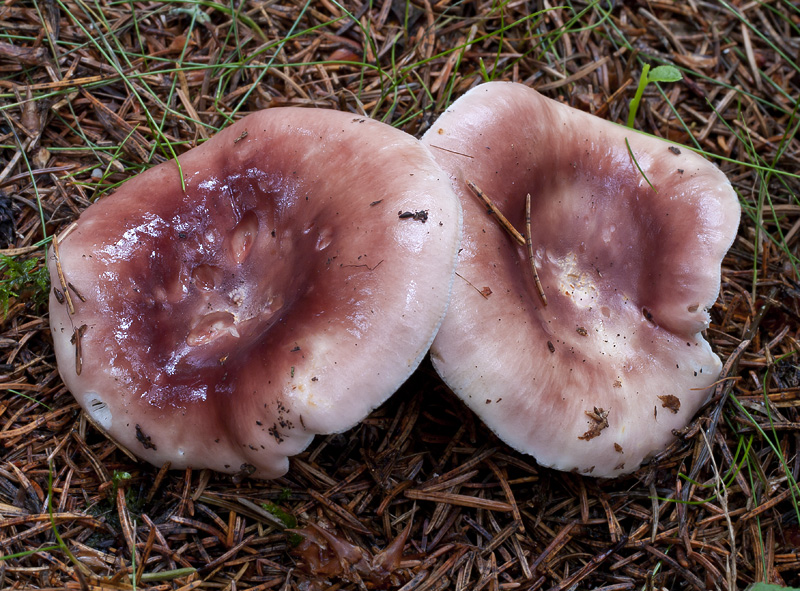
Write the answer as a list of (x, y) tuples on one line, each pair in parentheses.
[(286, 289), (628, 233)]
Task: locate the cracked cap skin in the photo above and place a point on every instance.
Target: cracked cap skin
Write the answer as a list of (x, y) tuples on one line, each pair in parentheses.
[(281, 296), (597, 380)]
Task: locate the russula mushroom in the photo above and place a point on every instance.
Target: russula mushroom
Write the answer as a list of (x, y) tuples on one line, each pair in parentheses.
[(282, 294), (628, 234)]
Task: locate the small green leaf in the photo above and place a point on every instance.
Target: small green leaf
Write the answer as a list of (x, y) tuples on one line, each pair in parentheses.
[(194, 12), (664, 74), (288, 519), (768, 587), (120, 477)]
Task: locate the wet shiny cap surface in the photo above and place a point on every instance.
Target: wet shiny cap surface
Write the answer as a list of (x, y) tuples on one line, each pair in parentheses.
[(289, 291), (598, 379)]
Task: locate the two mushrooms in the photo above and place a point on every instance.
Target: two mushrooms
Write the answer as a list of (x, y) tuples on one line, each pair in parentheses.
[(294, 270)]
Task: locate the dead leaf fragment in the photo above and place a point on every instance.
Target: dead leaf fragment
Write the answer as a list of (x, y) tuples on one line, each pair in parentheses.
[(671, 402), (600, 422)]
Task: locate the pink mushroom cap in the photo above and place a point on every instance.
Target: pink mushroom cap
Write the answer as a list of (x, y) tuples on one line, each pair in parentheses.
[(291, 289), (597, 380)]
